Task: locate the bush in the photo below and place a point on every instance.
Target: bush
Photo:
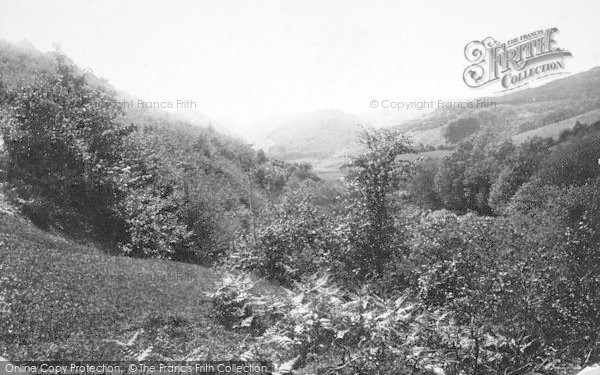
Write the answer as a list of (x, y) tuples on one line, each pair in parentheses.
[(152, 227), (238, 307), (465, 177), (296, 243), (533, 269), (321, 327), (518, 169), (63, 139), (38, 211), (564, 227), (319, 318), (572, 163)]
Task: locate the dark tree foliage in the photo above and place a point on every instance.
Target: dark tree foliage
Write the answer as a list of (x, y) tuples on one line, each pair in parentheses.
[(573, 162), (579, 130), (516, 170), (460, 129), (564, 224), (188, 195), (421, 186), (162, 188), (297, 242), (465, 177), (64, 142)]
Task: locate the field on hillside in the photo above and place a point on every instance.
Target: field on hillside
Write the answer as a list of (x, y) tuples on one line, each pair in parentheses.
[(332, 169), (554, 130), (431, 137), (436, 154), (60, 300)]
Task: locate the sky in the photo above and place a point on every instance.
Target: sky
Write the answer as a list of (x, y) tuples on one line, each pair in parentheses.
[(243, 60)]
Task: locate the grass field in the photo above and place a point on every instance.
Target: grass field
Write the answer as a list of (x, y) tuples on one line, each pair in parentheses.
[(332, 169), (436, 154), (554, 130), (60, 300)]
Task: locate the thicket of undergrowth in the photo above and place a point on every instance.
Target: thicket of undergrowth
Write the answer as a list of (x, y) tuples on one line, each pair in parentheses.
[(74, 160)]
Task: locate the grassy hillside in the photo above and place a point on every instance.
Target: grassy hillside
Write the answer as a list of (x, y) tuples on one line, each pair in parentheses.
[(554, 130), (582, 86), (326, 138), (47, 281), (557, 101), (333, 168)]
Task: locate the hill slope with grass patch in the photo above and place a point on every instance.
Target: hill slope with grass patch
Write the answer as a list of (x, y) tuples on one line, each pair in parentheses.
[(554, 130), (539, 108), (60, 300)]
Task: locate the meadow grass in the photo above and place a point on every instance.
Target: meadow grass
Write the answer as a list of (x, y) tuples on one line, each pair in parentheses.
[(65, 301)]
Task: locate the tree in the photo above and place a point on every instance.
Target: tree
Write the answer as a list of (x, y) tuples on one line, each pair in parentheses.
[(421, 186), (465, 177), (562, 225), (260, 156), (64, 141), (460, 129), (518, 169), (572, 163), (373, 177)]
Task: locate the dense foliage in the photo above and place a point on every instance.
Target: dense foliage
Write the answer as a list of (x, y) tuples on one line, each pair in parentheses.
[(460, 129), (63, 144), (156, 187), (369, 227)]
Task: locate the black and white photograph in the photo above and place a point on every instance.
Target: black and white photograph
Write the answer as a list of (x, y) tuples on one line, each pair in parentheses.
[(299, 187)]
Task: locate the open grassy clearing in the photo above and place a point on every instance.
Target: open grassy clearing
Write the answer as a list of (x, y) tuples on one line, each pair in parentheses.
[(61, 300)]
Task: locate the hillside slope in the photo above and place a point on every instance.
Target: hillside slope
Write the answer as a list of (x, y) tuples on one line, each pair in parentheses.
[(20, 62), (517, 112), (60, 300), (323, 138), (554, 130), (312, 136)]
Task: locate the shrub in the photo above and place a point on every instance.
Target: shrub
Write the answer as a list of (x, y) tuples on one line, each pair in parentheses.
[(518, 169), (62, 137), (572, 163), (152, 227), (465, 177), (295, 243), (238, 307), (321, 327), (38, 211)]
